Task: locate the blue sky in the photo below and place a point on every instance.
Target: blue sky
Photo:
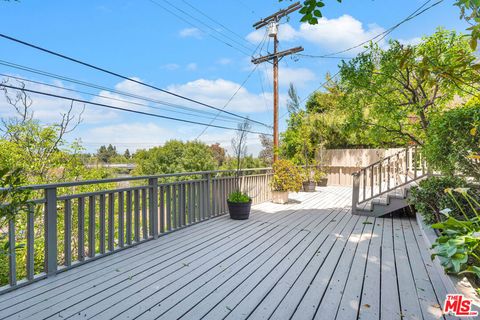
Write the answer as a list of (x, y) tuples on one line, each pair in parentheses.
[(143, 40)]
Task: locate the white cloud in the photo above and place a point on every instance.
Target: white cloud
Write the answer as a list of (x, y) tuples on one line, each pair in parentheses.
[(192, 66), (49, 109), (298, 76), (191, 33), (332, 34), (170, 66), (339, 33), (411, 41), (224, 61), (218, 92)]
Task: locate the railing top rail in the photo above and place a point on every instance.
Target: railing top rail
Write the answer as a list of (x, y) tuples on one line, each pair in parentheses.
[(111, 180)]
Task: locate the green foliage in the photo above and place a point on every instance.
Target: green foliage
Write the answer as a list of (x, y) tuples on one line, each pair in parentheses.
[(219, 153), (286, 176), (301, 139), (34, 153), (452, 140), (458, 247), (248, 162), (319, 174), (238, 197), (105, 154), (429, 198), (13, 198), (175, 156), (394, 94)]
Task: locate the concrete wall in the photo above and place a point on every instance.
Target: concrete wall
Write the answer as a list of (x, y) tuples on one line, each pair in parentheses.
[(341, 163)]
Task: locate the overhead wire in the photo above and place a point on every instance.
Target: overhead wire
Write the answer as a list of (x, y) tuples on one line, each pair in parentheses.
[(72, 99), (217, 22), (186, 14), (103, 88), (229, 100), (239, 88), (118, 75), (420, 10), (109, 98)]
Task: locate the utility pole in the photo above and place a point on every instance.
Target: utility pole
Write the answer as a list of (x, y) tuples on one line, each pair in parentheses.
[(272, 23)]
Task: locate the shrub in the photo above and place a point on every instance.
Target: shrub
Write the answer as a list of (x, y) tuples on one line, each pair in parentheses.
[(286, 176), (453, 138), (319, 174), (458, 247), (429, 198), (238, 197)]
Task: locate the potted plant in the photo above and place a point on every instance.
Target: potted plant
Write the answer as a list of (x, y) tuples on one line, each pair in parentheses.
[(238, 202), (308, 180), (286, 177), (320, 177)]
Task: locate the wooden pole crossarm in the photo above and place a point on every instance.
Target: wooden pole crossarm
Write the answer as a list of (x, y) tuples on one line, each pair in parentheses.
[(279, 55), (276, 16)]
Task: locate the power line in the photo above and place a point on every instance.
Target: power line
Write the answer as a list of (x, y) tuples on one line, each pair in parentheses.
[(203, 23), (381, 35), (106, 97), (229, 100), (122, 76), (122, 109), (217, 22), (99, 87)]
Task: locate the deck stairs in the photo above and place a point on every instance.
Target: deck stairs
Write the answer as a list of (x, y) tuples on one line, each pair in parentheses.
[(383, 187)]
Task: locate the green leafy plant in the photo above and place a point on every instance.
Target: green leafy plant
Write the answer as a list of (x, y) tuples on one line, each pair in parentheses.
[(453, 141), (429, 198), (13, 198), (319, 174), (238, 197), (458, 247), (286, 176)]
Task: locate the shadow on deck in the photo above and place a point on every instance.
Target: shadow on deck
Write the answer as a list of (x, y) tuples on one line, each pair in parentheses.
[(310, 259)]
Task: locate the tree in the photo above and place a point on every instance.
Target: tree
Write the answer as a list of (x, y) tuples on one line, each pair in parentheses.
[(293, 102), (218, 153), (392, 94), (106, 154), (127, 154), (173, 157), (454, 139), (266, 154), (239, 145)]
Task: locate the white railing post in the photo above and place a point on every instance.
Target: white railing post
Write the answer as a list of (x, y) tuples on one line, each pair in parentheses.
[(51, 231)]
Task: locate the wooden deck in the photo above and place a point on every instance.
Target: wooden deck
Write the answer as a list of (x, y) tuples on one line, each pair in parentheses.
[(310, 259)]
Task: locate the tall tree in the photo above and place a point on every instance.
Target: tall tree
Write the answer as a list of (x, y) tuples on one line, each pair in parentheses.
[(219, 153), (266, 154), (127, 154), (394, 93), (293, 102)]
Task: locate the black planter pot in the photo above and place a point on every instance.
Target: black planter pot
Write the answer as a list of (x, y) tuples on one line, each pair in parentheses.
[(239, 211), (309, 186), (323, 182)]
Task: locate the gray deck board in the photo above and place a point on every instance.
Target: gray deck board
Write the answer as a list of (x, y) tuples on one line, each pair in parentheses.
[(309, 259)]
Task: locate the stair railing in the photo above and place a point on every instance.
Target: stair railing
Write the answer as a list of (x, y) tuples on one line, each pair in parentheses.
[(388, 174)]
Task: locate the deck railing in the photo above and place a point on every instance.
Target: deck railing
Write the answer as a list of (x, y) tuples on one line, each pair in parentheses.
[(76, 222), (388, 174)]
